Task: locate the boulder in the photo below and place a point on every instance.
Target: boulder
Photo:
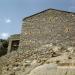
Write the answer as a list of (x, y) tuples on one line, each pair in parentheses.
[(53, 69)]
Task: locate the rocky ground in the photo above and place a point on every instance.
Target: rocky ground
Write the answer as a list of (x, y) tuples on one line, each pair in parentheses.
[(46, 60)]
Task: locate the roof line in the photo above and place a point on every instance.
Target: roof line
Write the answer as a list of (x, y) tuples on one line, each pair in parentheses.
[(47, 10)]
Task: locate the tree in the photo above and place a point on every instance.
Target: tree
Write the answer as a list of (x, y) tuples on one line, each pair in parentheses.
[(3, 47)]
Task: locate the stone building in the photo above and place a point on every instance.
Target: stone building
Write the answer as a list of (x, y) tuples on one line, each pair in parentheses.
[(13, 42), (49, 26)]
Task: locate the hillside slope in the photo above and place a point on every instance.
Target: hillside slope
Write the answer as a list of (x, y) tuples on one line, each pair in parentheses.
[(24, 62)]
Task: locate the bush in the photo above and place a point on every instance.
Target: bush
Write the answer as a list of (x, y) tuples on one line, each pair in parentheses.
[(3, 47)]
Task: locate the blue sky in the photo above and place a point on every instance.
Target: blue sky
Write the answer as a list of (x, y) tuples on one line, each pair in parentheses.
[(13, 11)]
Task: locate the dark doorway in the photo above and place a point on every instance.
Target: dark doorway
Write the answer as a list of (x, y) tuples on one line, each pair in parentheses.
[(14, 45)]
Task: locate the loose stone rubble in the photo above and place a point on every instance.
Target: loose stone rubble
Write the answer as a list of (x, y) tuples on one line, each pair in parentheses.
[(27, 62)]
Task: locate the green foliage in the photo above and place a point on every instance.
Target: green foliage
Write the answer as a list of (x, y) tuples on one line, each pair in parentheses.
[(3, 47)]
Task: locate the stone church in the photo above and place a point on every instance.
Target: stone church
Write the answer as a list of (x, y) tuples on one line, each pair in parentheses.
[(49, 26)]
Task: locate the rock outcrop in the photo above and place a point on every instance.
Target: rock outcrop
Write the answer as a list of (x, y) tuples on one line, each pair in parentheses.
[(27, 62)]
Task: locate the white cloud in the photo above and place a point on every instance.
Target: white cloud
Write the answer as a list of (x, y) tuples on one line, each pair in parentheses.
[(4, 35), (8, 20)]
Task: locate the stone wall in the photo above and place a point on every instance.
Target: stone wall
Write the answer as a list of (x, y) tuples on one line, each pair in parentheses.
[(50, 26)]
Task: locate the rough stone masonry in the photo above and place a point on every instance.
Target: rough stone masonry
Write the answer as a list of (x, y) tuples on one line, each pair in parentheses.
[(49, 26)]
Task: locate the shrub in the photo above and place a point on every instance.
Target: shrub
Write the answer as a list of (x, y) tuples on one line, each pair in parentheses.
[(3, 47)]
